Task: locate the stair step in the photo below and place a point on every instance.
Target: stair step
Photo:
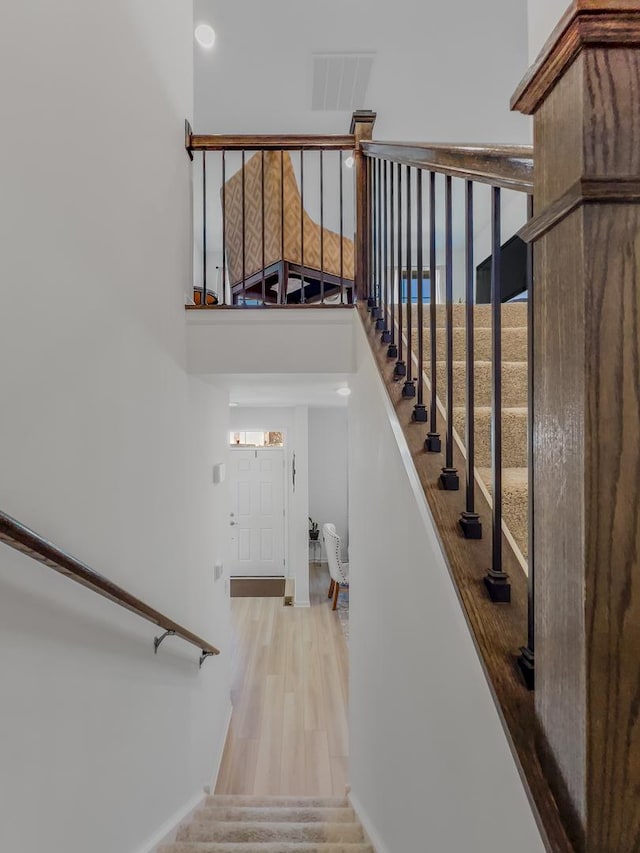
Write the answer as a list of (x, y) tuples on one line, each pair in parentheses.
[(513, 314), (515, 502), (255, 832), (514, 343), (260, 814), (251, 801), (514, 435), (514, 382), (269, 847)]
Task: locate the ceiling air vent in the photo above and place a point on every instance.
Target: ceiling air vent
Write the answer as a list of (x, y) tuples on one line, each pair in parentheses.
[(340, 80)]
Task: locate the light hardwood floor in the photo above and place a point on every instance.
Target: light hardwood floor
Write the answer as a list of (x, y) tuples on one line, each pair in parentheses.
[(288, 731)]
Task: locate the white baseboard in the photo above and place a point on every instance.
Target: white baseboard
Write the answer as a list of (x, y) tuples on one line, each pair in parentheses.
[(166, 834), (306, 603), (369, 829)]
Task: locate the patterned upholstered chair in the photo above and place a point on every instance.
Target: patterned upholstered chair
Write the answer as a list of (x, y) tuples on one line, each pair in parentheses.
[(338, 570), (328, 263)]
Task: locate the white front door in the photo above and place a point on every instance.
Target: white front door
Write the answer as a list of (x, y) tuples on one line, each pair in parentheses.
[(257, 512)]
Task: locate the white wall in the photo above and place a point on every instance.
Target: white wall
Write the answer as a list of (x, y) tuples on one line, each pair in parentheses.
[(430, 767), (293, 421), (328, 475), (543, 16), (106, 446), (291, 341)]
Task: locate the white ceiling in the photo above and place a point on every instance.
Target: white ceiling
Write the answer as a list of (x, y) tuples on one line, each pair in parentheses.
[(442, 71), (271, 389)]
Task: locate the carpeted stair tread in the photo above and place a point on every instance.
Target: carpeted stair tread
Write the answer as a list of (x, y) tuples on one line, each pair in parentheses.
[(514, 434), (514, 382), (515, 498), (256, 824), (513, 314), (260, 831), (514, 342), (260, 814), (514, 395), (248, 800), (269, 847)]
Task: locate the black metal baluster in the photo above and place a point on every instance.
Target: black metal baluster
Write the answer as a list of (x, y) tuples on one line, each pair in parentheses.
[(203, 301), (469, 519), (409, 389), (370, 298), (222, 296), (496, 580), (385, 338), (377, 311), (264, 286), (375, 237), (321, 226), (449, 477), (526, 659), (302, 227), (432, 442), (392, 349), (283, 273), (244, 235), (400, 369), (419, 410), (341, 232)]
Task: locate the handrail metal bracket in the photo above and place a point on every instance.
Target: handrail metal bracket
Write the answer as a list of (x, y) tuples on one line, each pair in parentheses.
[(158, 640), (204, 656), (188, 136)]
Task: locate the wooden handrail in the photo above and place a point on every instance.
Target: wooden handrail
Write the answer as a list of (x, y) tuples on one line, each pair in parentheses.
[(507, 166), (23, 539), (270, 142)]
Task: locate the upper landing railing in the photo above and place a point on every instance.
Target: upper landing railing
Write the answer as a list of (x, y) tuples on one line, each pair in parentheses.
[(28, 542), (276, 218), (282, 219)]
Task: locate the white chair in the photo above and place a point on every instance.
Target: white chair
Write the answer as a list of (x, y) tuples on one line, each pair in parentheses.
[(338, 570)]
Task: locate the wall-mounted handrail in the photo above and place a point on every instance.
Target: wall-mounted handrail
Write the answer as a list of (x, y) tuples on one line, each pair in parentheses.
[(23, 539), (270, 142), (506, 166)]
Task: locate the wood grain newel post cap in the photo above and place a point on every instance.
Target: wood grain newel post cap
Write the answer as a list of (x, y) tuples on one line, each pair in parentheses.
[(362, 122), (585, 24)]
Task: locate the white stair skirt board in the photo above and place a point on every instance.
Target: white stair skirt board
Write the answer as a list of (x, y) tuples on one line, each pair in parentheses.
[(369, 830)]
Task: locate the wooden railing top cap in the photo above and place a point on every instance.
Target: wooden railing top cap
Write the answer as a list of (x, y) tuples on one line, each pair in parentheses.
[(507, 166), (270, 142), (586, 23)]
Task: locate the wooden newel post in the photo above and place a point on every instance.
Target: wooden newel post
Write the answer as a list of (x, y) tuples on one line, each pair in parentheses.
[(362, 123), (584, 93)]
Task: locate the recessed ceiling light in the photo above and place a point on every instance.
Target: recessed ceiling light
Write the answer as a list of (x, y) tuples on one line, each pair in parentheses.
[(233, 404), (344, 392), (205, 35), (349, 161)]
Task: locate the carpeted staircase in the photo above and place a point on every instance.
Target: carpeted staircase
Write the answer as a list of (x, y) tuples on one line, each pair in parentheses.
[(514, 399), (225, 824)]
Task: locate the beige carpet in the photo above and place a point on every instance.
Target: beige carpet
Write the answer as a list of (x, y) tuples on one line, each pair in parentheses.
[(271, 825), (514, 399)]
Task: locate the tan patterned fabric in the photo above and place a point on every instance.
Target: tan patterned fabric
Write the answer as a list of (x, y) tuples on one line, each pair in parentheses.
[(278, 172)]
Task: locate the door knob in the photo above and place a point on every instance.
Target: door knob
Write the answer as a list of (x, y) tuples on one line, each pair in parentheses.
[(232, 523)]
